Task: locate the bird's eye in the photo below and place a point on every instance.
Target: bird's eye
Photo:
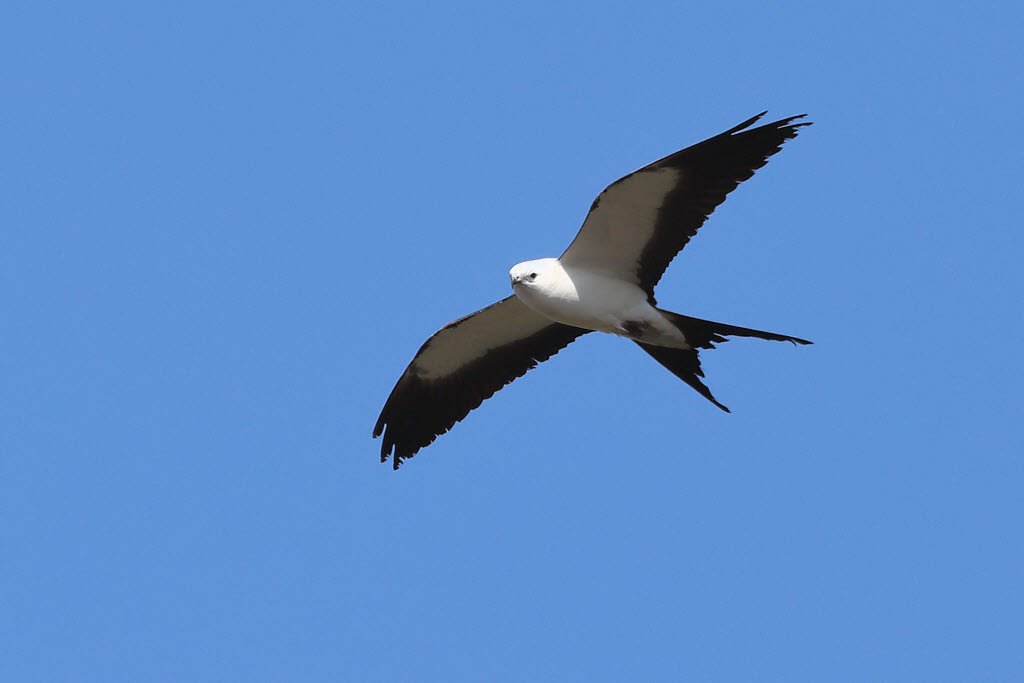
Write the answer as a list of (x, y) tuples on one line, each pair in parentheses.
[(533, 276)]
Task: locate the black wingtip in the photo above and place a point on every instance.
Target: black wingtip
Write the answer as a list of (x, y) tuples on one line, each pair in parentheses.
[(781, 123), (746, 124), (794, 340), (707, 394), (386, 445), (388, 449), (789, 122)]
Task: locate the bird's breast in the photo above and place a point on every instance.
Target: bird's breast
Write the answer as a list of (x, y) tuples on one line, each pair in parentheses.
[(584, 299)]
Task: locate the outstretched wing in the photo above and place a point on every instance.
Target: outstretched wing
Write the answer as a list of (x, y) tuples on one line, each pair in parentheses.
[(462, 364), (638, 224)]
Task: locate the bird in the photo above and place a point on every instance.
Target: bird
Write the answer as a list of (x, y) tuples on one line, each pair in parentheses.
[(603, 282)]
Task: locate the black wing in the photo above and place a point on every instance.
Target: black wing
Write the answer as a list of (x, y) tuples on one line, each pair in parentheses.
[(461, 365), (638, 224)]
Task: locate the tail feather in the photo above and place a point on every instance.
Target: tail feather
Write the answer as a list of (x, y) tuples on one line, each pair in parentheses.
[(684, 364), (702, 334)]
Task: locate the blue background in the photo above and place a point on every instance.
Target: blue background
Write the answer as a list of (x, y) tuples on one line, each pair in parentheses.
[(227, 228)]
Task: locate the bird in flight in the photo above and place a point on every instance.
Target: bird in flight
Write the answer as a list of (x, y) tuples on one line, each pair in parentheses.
[(604, 282)]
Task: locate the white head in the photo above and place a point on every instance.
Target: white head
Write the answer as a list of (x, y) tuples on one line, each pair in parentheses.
[(534, 274)]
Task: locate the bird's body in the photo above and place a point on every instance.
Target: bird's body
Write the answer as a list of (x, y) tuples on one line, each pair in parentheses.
[(604, 282), (592, 300)]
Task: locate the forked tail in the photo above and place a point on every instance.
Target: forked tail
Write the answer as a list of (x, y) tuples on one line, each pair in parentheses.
[(702, 334)]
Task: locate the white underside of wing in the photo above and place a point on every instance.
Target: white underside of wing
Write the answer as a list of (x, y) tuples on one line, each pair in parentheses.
[(468, 339), (617, 230)]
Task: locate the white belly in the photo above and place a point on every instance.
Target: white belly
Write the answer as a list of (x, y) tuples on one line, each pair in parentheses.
[(604, 304)]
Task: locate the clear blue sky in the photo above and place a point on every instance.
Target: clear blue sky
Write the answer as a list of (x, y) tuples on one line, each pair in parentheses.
[(227, 228)]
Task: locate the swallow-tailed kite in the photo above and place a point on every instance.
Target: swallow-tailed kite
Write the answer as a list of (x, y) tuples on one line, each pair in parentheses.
[(604, 282)]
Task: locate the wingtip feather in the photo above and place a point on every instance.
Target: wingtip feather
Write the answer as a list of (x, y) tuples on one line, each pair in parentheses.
[(746, 124), (781, 123)]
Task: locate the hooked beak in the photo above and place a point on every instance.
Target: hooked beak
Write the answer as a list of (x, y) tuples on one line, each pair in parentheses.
[(515, 280)]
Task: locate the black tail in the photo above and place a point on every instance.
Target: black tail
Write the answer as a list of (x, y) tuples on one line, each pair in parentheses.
[(702, 334)]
